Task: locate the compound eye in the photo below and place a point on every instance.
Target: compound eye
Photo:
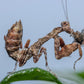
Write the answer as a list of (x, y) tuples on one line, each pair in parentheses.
[(64, 23)]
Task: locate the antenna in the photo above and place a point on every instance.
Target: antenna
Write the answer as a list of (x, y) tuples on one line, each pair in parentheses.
[(65, 9)]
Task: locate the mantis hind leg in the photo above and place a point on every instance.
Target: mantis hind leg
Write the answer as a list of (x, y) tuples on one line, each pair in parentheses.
[(80, 53), (36, 58), (14, 68)]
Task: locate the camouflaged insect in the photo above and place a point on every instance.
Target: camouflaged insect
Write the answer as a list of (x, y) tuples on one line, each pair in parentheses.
[(13, 44)]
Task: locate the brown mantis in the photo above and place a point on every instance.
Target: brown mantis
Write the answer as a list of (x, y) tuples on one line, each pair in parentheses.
[(13, 44)]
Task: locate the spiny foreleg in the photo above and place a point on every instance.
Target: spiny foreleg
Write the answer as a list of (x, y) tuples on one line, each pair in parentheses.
[(66, 50), (58, 41)]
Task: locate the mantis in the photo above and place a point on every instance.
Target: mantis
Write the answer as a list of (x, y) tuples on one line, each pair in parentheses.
[(13, 44)]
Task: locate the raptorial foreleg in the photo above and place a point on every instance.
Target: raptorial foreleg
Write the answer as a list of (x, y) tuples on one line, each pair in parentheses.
[(66, 50), (58, 42)]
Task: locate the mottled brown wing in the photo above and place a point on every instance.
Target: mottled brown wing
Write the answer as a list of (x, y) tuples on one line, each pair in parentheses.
[(13, 39)]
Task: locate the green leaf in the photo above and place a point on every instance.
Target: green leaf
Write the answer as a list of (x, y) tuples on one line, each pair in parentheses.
[(30, 74), (69, 77), (81, 74)]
